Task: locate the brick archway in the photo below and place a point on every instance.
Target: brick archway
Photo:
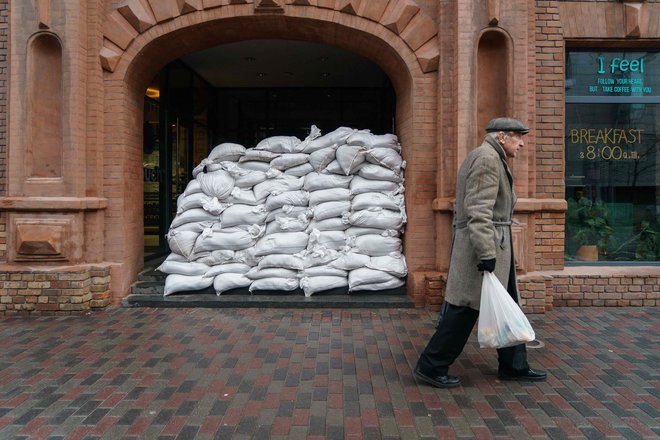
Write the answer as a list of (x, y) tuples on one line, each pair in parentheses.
[(139, 41)]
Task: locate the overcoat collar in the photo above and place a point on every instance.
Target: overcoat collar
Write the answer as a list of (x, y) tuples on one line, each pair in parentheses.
[(500, 151)]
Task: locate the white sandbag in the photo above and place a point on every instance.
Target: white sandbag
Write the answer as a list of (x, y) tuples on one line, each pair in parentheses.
[(226, 151), (289, 211), (183, 283), (214, 271), (350, 261), (243, 196), (182, 268), (256, 273), (350, 157), (289, 160), (333, 168), (294, 198), (319, 256), (216, 257), (196, 226), (385, 157), (214, 206), (328, 239), (216, 184), (244, 178), (300, 170), (182, 242), (253, 155), (360, 185), (318, 181), (377, 218), (356, 231), (288, 224), (229, 281), (247, 256), (279, 144), (280, 183), (331, 209), (329, 224), (255, 165), (328, 195), (376, 172), (175, 258), (195, 200), (376, 287), (337, 136), (192, 187), (284, 261), (376, 245), (364, 276), (394, 264), (320, 159), (243, 215), (322, 271), (376, 200), (281, 243), (232, 239), (285, 284), (195, 215), (374, 140), (312, 285)]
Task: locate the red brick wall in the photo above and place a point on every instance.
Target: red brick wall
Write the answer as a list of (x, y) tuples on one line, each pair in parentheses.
[(4, 74)]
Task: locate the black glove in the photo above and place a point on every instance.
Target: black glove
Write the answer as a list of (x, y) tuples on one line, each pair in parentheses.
[(487, 265)]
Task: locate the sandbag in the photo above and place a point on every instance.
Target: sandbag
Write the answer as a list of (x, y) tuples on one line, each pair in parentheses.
[(333, 168), (288, 224), (195, 200), (226, 151), (289, 211), (289, 160), (247, 256), (279, 144), (318, 181), (350, 157), (375, 245), (284, 261), (300, 170), (284, 284), (213, 206), (216, 257), (350, 261), (323, 270), (328, 239), (331, 209), (318, 256), (181, 283), (370, 140), (244, 197), (312, 285), (257, 273), (329, 224), (234, 239), (228, 281), (293, 198), (360, 185), (377, 287), (196, 226), (195, 215), (243, 215), (337, 136), (385, 157), (182, 242), (253, 155), (320, 159), (356, 231), (255, 165), (394, 264), (280, 183), (281, 243), (192, 187), (363, 276), (329, 195), (376, 200), (376, 172), (216, 184), (377, 218), (182, 268), (240, 268)]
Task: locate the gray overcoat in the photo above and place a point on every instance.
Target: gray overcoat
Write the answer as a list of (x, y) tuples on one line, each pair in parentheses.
[(482, 224)]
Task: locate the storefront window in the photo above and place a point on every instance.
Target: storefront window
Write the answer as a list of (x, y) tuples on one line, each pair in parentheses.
[(612, 157)]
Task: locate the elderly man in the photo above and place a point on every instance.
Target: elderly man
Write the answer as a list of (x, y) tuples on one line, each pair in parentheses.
[(481, 242)]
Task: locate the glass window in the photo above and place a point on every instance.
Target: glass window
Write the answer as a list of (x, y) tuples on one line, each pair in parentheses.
[(612, 164)]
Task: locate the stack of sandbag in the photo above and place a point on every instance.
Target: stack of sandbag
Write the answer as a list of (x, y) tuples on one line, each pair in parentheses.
[(319, 214)]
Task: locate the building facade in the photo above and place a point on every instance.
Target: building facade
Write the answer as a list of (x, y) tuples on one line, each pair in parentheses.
[(583, 74)]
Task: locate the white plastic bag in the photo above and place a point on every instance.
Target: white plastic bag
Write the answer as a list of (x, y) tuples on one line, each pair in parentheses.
[(501, 322)]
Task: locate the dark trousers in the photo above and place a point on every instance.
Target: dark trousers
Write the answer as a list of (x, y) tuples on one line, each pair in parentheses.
[(451, 334)]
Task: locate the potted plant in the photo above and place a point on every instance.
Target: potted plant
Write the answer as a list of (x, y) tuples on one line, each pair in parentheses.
[(588, 228)]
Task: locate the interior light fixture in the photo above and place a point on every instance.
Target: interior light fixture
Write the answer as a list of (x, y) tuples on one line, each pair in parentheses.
[(152, 92)]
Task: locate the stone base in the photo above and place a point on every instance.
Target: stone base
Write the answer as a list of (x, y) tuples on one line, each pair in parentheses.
[(61, 290)]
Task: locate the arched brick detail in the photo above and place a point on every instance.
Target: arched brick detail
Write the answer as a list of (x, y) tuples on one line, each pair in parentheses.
[(401, 17), (413, 76)]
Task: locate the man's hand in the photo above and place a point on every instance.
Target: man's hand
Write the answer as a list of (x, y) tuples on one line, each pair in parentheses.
[(487, 265)]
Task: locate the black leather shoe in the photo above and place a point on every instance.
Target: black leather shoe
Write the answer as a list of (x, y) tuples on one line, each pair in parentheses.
[(527, 375), (438, 381)]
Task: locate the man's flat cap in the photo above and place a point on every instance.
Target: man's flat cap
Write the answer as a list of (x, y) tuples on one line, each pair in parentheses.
[(506, 124)]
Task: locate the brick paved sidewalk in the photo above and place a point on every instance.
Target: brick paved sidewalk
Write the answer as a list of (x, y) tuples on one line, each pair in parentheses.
[(334, 374)]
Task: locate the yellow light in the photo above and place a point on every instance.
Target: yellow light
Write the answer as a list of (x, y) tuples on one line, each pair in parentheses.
[(153, 93)]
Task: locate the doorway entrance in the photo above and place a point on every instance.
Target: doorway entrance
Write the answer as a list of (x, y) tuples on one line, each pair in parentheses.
[(242, 93)]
